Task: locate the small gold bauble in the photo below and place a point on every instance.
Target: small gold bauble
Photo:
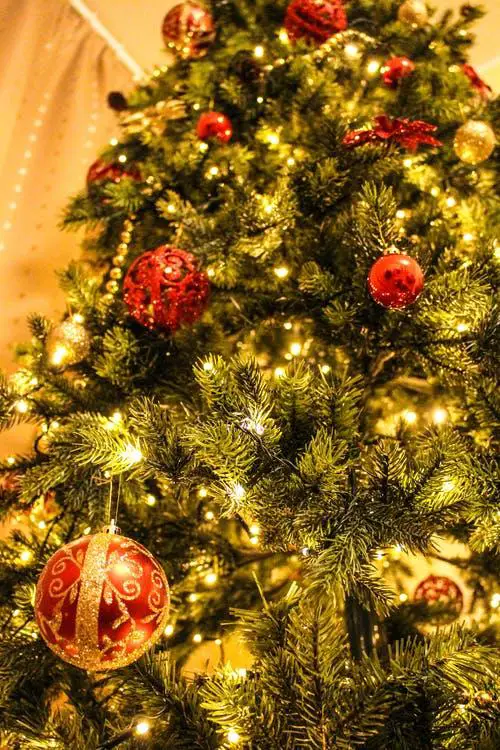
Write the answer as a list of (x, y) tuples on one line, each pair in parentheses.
[(474, 142), (68, 343), (118, 260), (116, 273), (413, 12), (112, 286)]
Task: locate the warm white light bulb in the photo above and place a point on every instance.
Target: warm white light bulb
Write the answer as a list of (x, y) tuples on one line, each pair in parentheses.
[(259, 51), (233, 737), (439, 415), (281, 272), (142, 727)]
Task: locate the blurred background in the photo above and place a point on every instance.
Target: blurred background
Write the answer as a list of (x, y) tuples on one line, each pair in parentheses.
[(58, 61)]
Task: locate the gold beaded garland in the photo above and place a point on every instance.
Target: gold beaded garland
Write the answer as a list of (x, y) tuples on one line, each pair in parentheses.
[(119, 260), (474, 142), (413, 12)]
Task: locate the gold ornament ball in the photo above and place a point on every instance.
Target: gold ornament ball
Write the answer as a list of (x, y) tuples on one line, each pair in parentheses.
[(474, 142), (68, 343), (413, 12)]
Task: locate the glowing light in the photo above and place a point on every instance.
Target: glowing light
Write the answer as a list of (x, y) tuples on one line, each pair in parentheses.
[(211, 579), (25, 555), (116, 417), (450, 202), (401, 214), (462, 327), (196, 106), (435, 191), (448, 486), (113, 142), (197, 638), (142, 727), (407, 162), (305, 551), (203, 147), (22, 406), (439, 415), (325, 369), (218, 642), (202, 492), (233, 737), (209, 515), (468, 237), (379, 555), (403, 597), (122, 158), (241, 672), (131, 454), (11, 460), (409, 416), (260, 99), (254, 529), (193, 598), (42, 525), (151, 500), (16, 612), (283, 36), (352, 50), (295, 348), (87, 530), (373, 67), (279, 372), (254, 540), (208, 366), (495, 601), (171, 207), (291, 161), (238, 492), (59, 354), (281, 272), (288, 325), (259, 51), (214, 171), (169, 630), (273, 139), (78, 318)]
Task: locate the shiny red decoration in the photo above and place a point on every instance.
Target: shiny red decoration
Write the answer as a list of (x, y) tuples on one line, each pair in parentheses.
[(315, 20), (396, 68), (476, 81), (439, 589), (189, 29), (395, 281), (404, 132), (214, 125), (101, 171), (101, 602), (164, 289)]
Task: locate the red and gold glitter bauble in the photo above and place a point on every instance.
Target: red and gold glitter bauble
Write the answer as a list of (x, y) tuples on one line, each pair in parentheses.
[(214, 125), (164, 289), (395, 281), (101, 171), (441, 590), (315, 20), (189, 29), (101, 602), (396, 68)]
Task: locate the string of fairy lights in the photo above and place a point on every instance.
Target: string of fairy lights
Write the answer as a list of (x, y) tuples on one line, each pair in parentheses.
[(353, 45)]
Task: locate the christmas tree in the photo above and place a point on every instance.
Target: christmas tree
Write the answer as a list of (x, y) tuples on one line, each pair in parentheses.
[(277, 378)]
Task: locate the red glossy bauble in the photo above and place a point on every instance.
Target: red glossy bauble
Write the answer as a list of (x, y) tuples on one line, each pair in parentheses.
[(101, 602), (395, 281), (441, 590), (189, 29), (396, 68), (164, 289), (214, 125), (315, 20), (101, 171)]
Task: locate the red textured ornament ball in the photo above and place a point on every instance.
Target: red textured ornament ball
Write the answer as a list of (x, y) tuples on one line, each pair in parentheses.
[(315, 20), (395, 281), (101, 171), (395, 69), (101, 602), (164, 289), (189, 29), (439, 589), (214, 125)]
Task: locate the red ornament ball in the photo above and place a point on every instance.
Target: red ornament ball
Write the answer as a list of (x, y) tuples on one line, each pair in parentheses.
[(395, 281), (101, 171), (442, 590), (164, 289), (396, 68), (214, 125), (315, 20), (101, 602), (189, 29)]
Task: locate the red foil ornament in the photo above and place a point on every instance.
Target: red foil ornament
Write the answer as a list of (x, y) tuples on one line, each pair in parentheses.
[(315, 20), (164, 289), (395, 281), (101, 171), (439, 589), (395, 69), (101, 602), (214, 125), (476, 81), (189, 29), (404, 132)]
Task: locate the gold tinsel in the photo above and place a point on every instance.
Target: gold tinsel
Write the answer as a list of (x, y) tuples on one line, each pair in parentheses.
[(474, 142)]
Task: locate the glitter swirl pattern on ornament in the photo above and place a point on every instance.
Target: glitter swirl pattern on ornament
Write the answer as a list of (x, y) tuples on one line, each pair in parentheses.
[(101, 602)]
